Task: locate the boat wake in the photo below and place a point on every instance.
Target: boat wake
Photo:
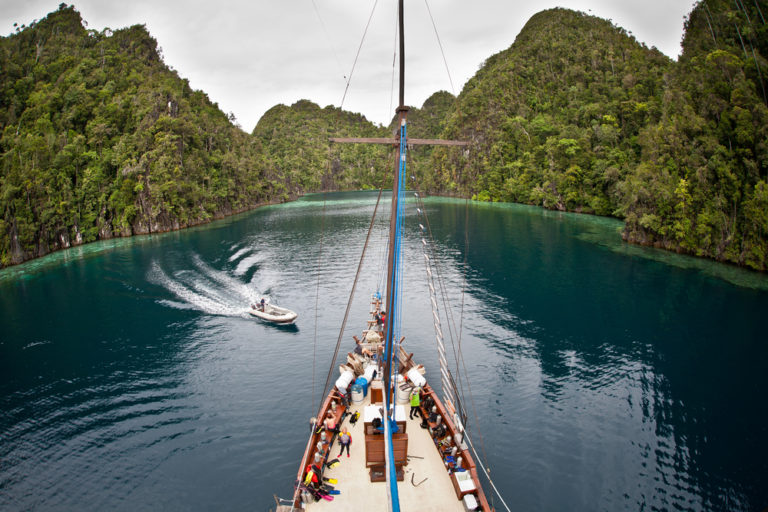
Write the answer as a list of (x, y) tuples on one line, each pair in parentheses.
[(204, 288)]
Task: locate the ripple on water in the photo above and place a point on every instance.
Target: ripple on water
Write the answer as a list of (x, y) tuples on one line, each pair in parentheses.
[(87, 433), (601, 381)]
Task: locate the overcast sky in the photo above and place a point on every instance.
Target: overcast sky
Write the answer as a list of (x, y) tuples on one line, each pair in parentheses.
[(251, 55)]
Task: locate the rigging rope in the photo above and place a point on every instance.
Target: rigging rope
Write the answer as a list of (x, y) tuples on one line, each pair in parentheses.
[(448, 313), (486, 472), (760, 11), (351, 297), (445, 61), (445, 379), (466, 270), (349, 80), (384, 251), (741, 8), (328, 38), (399, 232), (459, 355), (394, 308), (394, 61), (317, 296)]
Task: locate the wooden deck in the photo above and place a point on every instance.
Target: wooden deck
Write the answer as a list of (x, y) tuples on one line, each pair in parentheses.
[(436, 493), (426, 484)]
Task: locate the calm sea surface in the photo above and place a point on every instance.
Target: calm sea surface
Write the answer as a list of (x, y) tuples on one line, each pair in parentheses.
[(604, 376)]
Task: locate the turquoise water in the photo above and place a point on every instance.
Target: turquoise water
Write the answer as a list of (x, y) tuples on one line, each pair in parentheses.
[(604, 376)]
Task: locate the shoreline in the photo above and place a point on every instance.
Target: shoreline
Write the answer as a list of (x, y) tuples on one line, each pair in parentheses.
[(149, 232), (668, 247)]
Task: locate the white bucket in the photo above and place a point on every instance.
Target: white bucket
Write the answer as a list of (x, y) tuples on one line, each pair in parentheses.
[(402, 395), (357, 394)]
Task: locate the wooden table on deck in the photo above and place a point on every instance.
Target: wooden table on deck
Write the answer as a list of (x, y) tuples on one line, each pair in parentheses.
[(372, 411)]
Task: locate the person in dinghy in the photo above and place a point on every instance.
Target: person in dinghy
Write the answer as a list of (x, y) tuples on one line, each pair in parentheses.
[(261, 306)]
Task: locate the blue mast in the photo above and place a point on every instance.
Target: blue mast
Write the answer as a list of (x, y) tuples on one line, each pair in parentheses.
[(394, 288), (394, 294)]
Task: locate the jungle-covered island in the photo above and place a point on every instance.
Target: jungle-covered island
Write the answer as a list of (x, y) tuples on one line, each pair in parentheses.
[(100, 138)]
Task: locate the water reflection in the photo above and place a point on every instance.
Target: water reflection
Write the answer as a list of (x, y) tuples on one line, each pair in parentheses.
[(602, 380), (641, 377)]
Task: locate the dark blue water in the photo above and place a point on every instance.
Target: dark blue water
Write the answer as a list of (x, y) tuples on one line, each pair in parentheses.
[(603, 376)]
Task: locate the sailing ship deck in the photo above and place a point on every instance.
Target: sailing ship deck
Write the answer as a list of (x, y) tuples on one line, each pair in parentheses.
[(429, 482), (425, 467)]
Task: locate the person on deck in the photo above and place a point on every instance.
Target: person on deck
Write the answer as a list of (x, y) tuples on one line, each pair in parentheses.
[(344, 395), (361, 350), (415, 402), (330, 422), (262, 304), (345, 439), (433, 415), (320, 449)]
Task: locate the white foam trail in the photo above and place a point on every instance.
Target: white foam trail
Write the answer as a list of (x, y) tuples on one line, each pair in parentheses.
[(239, 253), (248, 262), (266, 283), (186, 295), (175, 305), (246, 292), (210, 291), (35, 344)]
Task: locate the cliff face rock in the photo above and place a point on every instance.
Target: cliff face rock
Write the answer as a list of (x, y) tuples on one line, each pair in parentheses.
[(553, 120), (16, 254), (577, 115), (296, 148), (99, 138), (701, 188)]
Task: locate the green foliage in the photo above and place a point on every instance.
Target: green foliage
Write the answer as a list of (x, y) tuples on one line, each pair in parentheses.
[(98, 138), (576, 115), (710, 148), (427, 122), (297, 149), (554, 119)]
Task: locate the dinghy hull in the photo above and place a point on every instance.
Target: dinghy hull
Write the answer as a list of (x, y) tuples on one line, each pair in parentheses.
[(275, 314)]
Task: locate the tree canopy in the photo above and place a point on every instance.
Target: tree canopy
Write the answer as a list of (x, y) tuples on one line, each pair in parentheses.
[(99, 138), (577, 115)]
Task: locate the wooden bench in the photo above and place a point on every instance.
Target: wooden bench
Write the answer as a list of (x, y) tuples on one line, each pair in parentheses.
[(374, 449), (375, 458)]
